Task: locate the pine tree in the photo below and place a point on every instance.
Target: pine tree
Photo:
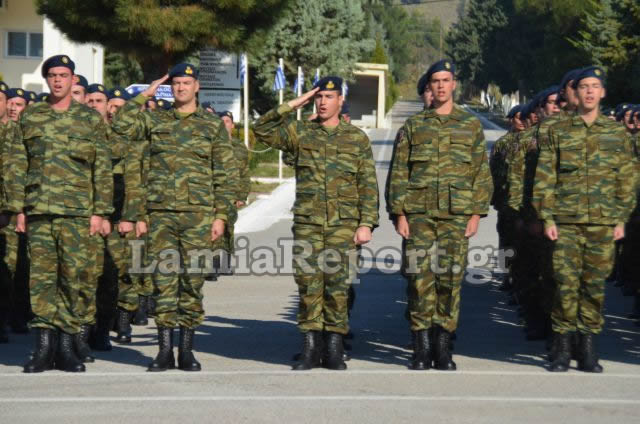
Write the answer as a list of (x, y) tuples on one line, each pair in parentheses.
[(159, 33)]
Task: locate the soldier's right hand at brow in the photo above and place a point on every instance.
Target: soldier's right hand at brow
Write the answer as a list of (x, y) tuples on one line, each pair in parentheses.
[(304, 99), (153, 87)]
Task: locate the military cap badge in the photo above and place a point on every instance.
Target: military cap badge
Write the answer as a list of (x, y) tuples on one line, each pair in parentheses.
[(330, 85), (597, 72), (32, 96), (20, 92), (117, 93), (447, 65), (188, 70), (65, 59), (3, 87), (101, 88)]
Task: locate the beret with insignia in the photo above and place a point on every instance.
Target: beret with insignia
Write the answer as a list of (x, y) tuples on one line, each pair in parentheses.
[(164, 104), (119, 93), (442, 65), (3, 87), (17, 92), (208, 105), (60, 60), (569, 76), (331, 83), (589, 72), (32, 96), (183, 70), (82, 81), (43, 97), (96, 88)]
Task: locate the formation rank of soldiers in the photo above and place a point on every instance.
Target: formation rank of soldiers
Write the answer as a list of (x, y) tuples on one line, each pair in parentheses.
[(77, 180)]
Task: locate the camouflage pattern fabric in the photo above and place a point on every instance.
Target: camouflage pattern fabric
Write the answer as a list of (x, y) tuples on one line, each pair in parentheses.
[(499, 168), (582, 183), (178, 295), (120, 254), (440, 167), (335, 172), (323, 296), (63, 254), (434, 287), (582, 259), (336, 192)]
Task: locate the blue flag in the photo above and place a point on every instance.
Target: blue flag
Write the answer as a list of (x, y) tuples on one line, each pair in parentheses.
[(317, 77), (299, 82), (279, 82), (243, 66), (345, 89)]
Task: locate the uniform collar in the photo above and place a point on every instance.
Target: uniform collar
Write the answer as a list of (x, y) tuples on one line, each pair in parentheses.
[(457, 113), (601, 120)]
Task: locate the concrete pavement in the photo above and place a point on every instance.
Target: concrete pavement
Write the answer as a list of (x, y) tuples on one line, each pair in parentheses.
[(249, 336)]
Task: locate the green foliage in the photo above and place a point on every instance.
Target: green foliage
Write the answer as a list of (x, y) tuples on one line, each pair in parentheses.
[(121, 70), (161, 32), (325, 34), (379, 55)]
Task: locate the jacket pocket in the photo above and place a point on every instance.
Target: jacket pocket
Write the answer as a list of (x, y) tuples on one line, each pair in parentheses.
[(199, 192), (460, 198), (567, 202)]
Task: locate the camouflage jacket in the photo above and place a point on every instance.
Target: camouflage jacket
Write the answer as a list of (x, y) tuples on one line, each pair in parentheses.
[(585, 173), (500, 168), (63, 163), (7, 135), (335, 172), (191, 162), (136, 170), (521, 159), (242, 160), (440, 166)]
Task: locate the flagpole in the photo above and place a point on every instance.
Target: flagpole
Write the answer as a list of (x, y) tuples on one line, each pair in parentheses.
[(246, 100), (317, 78), (299, 92), (281, 101)]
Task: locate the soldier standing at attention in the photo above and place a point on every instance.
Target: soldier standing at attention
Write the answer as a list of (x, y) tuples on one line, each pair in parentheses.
[(189, 193), (336, 208), (241, 154), (62, 183), (585, 194), (439, 186)]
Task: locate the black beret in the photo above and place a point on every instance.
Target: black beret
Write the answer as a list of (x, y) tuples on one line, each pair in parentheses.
[(442, 65), (422, 84), (32, 96), (57, 61), (3, 87), (226, 113), (164, 104), (17, 92), (82, 81), (514, 111), (207, 105), (97, 88), (329, 84), (119, 93), (554, 89), (568, 77), (43, 97), (528, 109), (589, 72), (183, 70)]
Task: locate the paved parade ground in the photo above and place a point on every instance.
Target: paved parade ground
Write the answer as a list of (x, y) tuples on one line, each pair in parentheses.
[(249, 336)]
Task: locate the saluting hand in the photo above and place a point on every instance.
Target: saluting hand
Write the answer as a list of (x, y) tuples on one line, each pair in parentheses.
[(304, 99), (153, 87)]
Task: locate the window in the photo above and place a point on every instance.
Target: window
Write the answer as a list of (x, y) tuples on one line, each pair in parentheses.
[(24, 44)]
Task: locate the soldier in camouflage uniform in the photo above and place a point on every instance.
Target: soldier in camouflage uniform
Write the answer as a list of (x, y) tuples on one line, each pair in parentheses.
[(8, 257), (62, 182), (241, 154), (499, 172), (79, 89), (585, 198), (190, 194), (335, 210), (439, 186)]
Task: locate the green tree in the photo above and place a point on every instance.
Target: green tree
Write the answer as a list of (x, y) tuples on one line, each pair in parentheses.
[(158, 33), (325, 34), (121, 70)]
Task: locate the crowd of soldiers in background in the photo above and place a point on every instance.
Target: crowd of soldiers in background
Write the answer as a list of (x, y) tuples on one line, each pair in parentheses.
[(116, 309), (529, 278)]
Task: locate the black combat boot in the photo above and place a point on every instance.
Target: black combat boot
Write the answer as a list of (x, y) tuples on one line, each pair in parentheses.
[(66, 359), (82, 344), (334, 349), (588, 358), (165, 360), (442, 360), (421, 351), (311, 351), (561, 353), (141, 314), (42, 359), (186, 360), (123, 326), (100, 339)]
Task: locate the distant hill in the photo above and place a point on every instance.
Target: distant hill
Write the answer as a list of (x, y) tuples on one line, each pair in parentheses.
[(447, 10)]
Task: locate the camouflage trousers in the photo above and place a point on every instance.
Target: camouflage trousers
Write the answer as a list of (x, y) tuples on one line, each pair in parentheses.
[(323, 296), (582, 259), (178, 292), (14, 281), (226, 242), (434, 286), (63, 258)]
